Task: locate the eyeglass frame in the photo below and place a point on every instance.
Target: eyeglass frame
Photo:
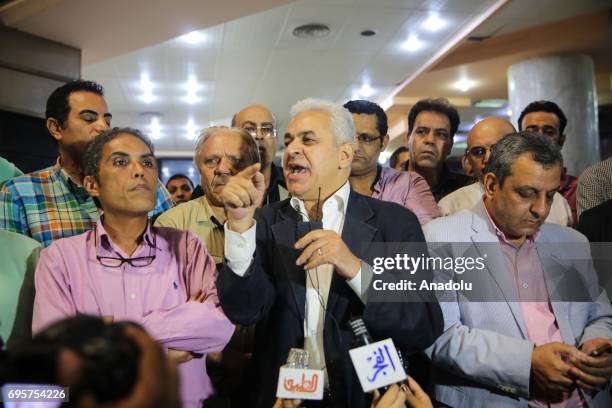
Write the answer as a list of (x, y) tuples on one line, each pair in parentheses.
[(373, 138), (271, 135), (124, 260)]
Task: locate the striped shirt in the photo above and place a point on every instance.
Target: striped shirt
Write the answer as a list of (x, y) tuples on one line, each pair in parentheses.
[(48, 205)]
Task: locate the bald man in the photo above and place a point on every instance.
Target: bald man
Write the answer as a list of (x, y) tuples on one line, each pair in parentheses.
[(483, 135), (261, 124)]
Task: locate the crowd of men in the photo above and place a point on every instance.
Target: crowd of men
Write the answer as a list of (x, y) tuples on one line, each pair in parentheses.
[(228, 275)]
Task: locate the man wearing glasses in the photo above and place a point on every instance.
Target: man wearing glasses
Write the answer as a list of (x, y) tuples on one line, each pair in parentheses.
[(371, 179), (483, 135), (124, 269), (260, 123)]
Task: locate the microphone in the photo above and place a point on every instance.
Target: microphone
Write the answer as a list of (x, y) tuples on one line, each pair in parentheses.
[(297, 381), (378, 364)]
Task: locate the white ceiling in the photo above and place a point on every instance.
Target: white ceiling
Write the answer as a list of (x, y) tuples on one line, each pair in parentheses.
[(257, 59)]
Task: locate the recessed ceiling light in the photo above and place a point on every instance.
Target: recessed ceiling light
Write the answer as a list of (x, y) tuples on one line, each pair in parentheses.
[(155, 128), (192, 86), (192, 130), (412, 44), (366, 90), (193, 38), (147, 88), (312, 30), (367, 33), (433, 22), (464, 84)]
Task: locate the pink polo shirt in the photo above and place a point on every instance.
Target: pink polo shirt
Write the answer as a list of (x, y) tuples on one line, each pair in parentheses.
[(524, 264), (70, 280)]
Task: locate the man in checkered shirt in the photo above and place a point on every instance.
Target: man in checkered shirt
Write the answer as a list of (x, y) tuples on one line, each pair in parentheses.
[(51, 203)]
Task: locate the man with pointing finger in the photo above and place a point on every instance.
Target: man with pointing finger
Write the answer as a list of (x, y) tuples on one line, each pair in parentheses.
[(296, 266)]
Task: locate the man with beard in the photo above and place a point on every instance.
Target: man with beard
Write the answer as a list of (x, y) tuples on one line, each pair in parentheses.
[(52, 203), (297, 266), (260, 123), (369, 178), (481, 138), (432, 124)]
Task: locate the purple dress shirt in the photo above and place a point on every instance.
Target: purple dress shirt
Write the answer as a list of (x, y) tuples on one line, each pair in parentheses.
[(409, 190), (69, 280)]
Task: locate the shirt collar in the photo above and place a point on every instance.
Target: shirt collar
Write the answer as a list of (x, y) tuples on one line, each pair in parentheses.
[(500, 234), (62, 174), (104, 240), (207, 214), (338, 201)]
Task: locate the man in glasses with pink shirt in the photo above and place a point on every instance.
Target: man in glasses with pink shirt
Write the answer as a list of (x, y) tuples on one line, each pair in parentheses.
[(125, 269), (483, 135)]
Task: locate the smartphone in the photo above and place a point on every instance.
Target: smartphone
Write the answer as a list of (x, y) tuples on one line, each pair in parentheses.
[(601, 350)]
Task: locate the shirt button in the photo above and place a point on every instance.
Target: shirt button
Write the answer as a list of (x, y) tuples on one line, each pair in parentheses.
[(525, 285), (133, 296)]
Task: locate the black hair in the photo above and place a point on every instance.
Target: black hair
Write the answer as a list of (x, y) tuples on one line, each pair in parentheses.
[(544, 106), (505, 152), (395, 155), (58, 105), (361, 106), (93, 153), (439, 105), (179, 176)]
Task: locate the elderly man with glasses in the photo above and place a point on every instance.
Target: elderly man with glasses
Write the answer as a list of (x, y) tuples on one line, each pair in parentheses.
[(481, 138), (369, 178), (260, 123), (125, 269)]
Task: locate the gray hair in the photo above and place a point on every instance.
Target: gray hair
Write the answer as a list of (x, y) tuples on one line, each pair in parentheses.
[(342, 125), (506, 151), (250, 151), (93, 153)]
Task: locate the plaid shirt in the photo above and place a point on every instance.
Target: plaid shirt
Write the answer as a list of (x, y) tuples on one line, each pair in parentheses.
[(47, 205)]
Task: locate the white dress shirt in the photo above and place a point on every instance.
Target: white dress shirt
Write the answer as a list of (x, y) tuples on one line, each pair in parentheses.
[(239, 250), (467, 197)]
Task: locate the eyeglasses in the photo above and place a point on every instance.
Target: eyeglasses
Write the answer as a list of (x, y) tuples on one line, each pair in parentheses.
[(116, 262), (477, 151), (367, 139), (267, 132)]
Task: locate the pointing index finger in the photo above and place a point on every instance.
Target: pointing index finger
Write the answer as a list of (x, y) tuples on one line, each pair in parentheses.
[(249, 171)]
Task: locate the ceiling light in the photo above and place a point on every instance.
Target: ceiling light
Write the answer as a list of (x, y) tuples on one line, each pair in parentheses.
[(193, 38), (192, 86), (490, 103), (412, 44), (155, 128), (192, 130), (509, 112), (366, 90), (165, 172), (147, 88), (464, 84), (433, 22)]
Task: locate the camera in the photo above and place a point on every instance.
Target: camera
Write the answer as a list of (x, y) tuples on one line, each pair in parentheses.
[(107, 366)]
